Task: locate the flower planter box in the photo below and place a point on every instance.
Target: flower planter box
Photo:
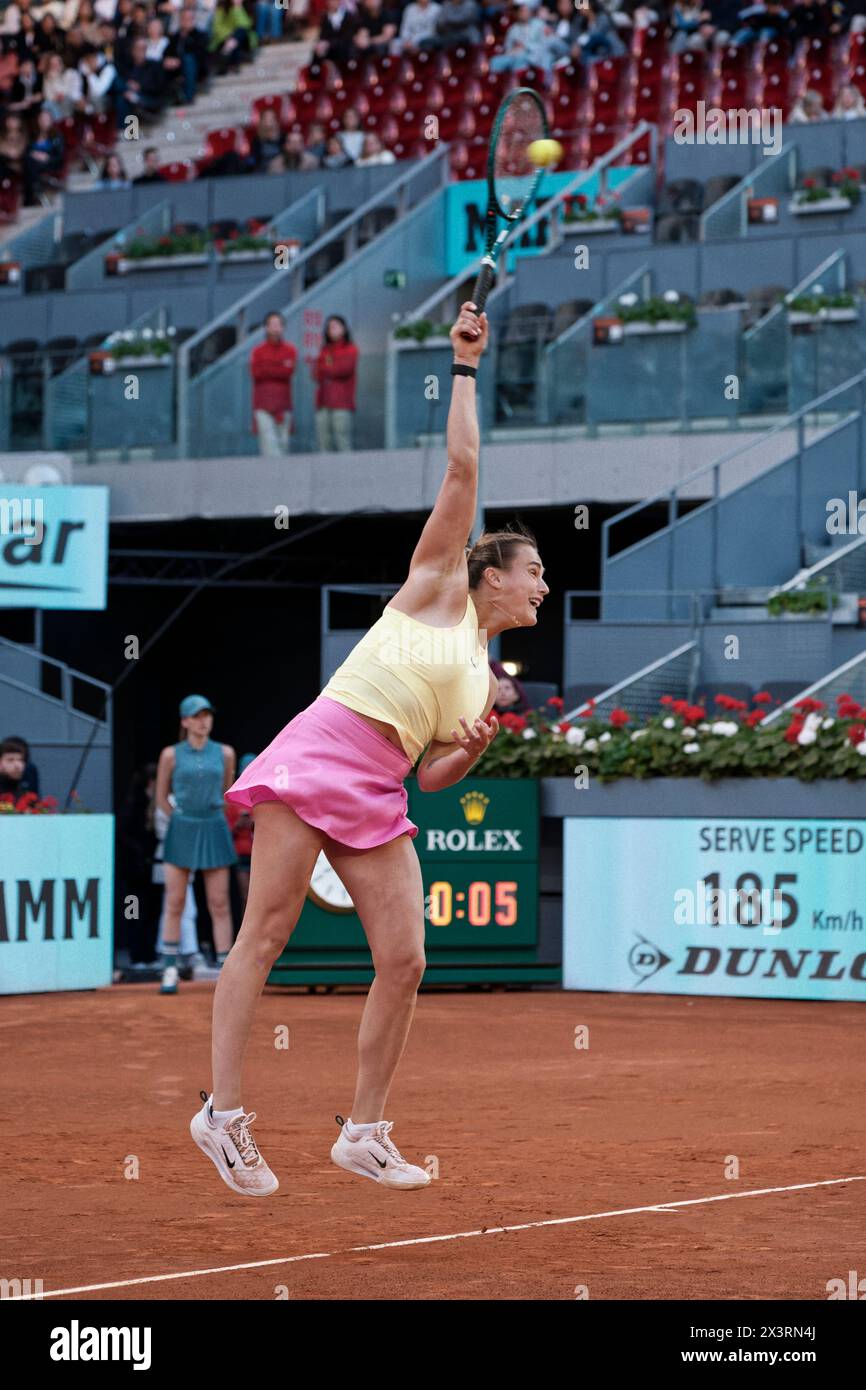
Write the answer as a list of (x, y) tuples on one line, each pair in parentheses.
[(641, 329), (402, 344), (125, 265), (104, 363), (10, 272), (593, 224), (835, 203), (796, 316)]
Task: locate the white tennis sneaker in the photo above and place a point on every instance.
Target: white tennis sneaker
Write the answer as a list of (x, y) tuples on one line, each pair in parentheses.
[(375, 1156), (232, 1150), (168, 984)]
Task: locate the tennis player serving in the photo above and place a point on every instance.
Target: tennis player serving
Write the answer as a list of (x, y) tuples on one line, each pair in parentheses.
[(332, 780)]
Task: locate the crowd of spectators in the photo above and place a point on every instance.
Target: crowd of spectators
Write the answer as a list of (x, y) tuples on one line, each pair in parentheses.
[(62, 58)]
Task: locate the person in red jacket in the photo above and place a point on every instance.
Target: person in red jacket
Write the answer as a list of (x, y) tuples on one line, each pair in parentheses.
[(334, 371), (272, 364)]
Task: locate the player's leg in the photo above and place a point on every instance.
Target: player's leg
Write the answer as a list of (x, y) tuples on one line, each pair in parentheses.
[(386, 888), (285, 849), (216, 891), (176, 881)]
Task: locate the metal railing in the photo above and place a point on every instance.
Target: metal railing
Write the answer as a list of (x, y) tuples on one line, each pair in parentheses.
[(286, 287), (847, 679), (844, 570), (37, 245), (88, 272), (720, 486), (729, 216), (66, 679), (672, 674)]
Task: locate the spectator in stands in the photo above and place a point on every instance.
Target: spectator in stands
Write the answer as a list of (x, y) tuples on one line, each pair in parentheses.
[(335, 156), (687, 19), (566, 28), (809, 108), (17, 774), (292, 155), (141, 85), (418, 25), (316, 141), (598, 38), (99, 80), (46, 155), (25, 93), (233, 38), (61, 87), (850, 105), (113, 174), (266, 144), (764, 21), (335, 32), (351, 134), (511, 698), (157, 40), (13, 154), (150, 167), (49, 37), (189, 48), (272, 365), (373, 152), (269, 20), (456, 23), (529, 42), (335, 372), (375, 29)]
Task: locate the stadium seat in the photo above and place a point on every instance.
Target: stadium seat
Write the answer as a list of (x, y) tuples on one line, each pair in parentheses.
[(568, 313), (680, 197), (705, 695), (273, 102), (716, 188), (317, 77), (179, 171), (782, 690), (62, 351)]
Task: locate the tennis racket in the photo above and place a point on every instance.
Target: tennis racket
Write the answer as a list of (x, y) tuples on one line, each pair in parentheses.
[(512, 178)]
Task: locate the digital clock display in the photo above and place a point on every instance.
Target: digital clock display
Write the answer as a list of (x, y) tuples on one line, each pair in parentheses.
[(482, 903)]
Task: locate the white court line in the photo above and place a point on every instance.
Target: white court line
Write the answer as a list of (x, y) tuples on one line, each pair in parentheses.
[(428, 1240)]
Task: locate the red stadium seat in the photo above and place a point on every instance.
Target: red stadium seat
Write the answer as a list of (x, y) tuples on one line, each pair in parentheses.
[(317, 77), (424, 95), (180, 171), (601, 139), (608, 75), (223, 141), (10, 200), (650, 42), (773, 56), (274, 101), (773, 91), (455, 122)]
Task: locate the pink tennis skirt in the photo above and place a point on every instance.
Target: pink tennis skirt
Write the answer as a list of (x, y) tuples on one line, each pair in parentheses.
[(337, 772)]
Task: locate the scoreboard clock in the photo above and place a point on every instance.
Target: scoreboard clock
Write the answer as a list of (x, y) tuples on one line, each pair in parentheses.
[(477, 846)]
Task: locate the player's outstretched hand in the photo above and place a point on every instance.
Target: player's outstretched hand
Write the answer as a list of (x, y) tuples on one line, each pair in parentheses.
[(474, 326), (475, 740)]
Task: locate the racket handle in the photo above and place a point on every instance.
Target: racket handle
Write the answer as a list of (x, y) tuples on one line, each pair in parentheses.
[(483, 286)]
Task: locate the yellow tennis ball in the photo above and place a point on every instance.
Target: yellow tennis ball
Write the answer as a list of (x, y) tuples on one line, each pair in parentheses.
[(545, 152)]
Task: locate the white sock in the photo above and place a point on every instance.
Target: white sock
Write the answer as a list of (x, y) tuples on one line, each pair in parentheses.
[(220, 1116), (358, 1130)]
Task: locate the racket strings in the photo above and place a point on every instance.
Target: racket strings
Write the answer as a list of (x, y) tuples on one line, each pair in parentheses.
[(514, 174)]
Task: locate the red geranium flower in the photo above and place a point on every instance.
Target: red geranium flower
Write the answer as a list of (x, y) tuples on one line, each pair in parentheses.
[(666, 700), (810, 706), (619, 718), (515, 722), (763, 697), (794, 729), (754, 718), (49, 801), (857, 733), (589, 711), (564, 727), (556, 701), (695, 714)]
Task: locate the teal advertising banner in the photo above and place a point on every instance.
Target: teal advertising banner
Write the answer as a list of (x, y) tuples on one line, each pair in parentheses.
[(56, 902), (751, 908), (467, 204), (53, 546)]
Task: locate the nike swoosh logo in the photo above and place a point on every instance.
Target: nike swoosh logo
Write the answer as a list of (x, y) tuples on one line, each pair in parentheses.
[(228, 1160), (379, 1161)]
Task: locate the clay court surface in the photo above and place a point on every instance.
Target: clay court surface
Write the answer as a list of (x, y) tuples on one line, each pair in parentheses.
[(525, 1128)]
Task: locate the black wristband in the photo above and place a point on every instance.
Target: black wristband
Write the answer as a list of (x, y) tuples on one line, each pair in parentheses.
[(460, 369)]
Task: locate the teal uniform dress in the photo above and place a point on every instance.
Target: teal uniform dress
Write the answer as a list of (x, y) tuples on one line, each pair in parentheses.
[(198, 834)]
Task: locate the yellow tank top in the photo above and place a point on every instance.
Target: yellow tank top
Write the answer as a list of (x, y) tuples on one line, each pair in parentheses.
[(416, 677)]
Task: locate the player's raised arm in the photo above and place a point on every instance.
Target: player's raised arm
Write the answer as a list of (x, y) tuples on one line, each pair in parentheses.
[(442, 543)]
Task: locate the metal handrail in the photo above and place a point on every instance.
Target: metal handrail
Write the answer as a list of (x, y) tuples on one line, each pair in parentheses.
[(746, 182), (671, 493), (647, 670), (805, 576), (798, 289), (816, 686), (544, 209), (335, 233), (67, 672)]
